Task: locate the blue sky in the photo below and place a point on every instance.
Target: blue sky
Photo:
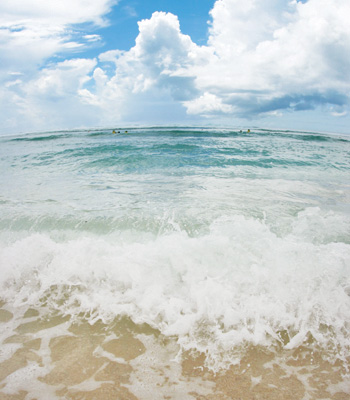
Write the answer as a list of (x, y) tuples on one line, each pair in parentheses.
[(122, 29), (239, 63), (193, 16)]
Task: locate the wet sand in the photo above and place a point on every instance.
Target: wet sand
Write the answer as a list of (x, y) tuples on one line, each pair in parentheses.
[(50, 356)]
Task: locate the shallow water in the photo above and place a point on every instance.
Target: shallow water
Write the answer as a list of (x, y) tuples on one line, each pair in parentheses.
[(51, 356), (175, 263)]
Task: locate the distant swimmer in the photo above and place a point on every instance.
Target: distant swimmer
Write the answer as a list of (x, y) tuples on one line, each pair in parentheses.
[(126, 131), (114, 131), (240, 131), (248, 130)]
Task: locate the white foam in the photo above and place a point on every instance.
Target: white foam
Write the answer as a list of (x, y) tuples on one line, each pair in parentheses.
[(26, 379), (155, 369), (341, 387), (239, 283)]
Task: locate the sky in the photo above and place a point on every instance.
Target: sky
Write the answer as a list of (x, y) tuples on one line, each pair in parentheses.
[(279, 64)]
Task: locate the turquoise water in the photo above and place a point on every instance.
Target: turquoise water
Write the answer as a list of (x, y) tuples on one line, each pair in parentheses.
[(213, 236), (108, 181)]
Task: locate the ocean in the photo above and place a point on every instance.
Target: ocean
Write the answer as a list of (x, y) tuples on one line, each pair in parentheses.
[(175, 263)]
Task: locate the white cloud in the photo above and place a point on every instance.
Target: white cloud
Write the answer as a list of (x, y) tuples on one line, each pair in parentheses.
[(50, 101), (239, 26), (30, 33), (339, 114), (275, 55), (63, 12), (33, 31), (92, 38), (64, 78), (262, 58), (130, 11), (206, 104), (13, 83), (154, 71)]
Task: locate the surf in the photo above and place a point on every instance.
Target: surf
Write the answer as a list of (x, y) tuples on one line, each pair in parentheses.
[(206, 249)]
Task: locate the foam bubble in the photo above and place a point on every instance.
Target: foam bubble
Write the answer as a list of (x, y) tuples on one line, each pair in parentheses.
[(239, 283)]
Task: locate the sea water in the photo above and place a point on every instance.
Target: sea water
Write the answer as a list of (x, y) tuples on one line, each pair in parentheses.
[(177, 263)]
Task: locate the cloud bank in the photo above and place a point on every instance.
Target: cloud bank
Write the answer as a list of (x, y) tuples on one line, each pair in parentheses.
[(261, 59)]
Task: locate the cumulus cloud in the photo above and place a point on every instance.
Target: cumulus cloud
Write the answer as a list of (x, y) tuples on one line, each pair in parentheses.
[(50, 100), (151, 75), (262, 58), (30, 34), (275, 55), (206, 104)]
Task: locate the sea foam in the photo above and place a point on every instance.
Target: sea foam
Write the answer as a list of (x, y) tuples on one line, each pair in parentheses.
[(238, 284), (217, 239)]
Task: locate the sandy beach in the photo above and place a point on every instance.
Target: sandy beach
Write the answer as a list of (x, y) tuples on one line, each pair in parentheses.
[(52, 357)]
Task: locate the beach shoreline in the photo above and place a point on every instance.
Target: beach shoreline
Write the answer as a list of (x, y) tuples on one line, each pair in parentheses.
[(175, 264), (53, 356)]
